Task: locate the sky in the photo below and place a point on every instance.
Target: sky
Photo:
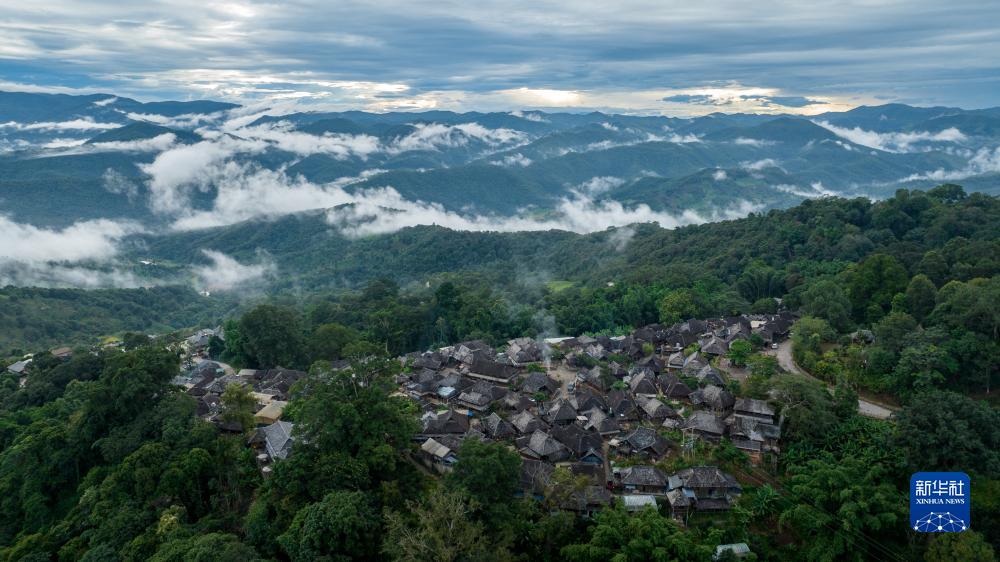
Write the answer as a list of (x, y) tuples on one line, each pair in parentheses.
[(669, 57)]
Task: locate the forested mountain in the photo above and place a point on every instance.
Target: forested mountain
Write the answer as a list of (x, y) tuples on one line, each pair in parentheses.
[(945, 234), (102, 457), (333, 247), (99, 155)]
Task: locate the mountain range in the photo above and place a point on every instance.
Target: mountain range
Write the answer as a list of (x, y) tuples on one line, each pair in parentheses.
[(103, 178)]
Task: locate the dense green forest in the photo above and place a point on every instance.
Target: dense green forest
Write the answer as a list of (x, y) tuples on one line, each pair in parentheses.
[(102, 459), (847, 262), (32, 319)]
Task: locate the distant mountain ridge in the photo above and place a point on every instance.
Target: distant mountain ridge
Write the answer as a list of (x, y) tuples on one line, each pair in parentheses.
[(66, 158)]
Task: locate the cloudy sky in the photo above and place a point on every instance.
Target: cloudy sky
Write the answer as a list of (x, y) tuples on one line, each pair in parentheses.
[(673, 57)]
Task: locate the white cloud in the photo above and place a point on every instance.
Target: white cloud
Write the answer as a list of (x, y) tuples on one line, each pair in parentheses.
[(816, 190), (63, 143), (159, 143), (530, 116), (719, 175), (511, 160), (62, 276), (80, 255), (757, 143), (336, 144), (435, 135), (892, 142), (984, 161), (245, 192), (85, 240), (175, 172), (106, 101), (620, 238), (384, 210), (647, 137), (185, 121), (758, 165), (226, 273), (600, 184), (681, 139), (425, 136), (115, 182), (817, 186), (84, 124)]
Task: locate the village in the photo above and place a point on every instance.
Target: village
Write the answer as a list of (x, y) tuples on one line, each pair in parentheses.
[(616, 410), (634, 417)]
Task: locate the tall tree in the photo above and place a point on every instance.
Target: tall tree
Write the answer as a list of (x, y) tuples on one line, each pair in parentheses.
[(842, 510), (271, 336), (921, 296), (826, 299), (441, 528), (238, 405), (873, 284), (343, 526), (967, 546), (488, 472), (945, 431), (623, 537)]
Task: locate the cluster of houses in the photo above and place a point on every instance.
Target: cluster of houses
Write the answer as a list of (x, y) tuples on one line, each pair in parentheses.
[(609, 410), (206, 380), (270, 389), (605, 408), (20, 368)]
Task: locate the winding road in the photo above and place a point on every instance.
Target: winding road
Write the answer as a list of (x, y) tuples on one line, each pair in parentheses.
[(865, 408)]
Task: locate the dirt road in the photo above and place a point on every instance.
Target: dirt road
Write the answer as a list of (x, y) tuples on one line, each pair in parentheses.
[(865, 408)]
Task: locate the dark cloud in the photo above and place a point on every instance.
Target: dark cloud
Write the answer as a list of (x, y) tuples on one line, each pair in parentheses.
[(938, 53), (792, 101), (690, 98)]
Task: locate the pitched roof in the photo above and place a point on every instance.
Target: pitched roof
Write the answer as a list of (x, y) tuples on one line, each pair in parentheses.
[(676, 360), (538, 382), (278, 439), (710, 375), (525, 422), (643, 476), (704, 477), (706, 422), (560, 411), (583, 400), (753, 406), (446, 422), (672, 386), (435, 449), (654, 409), (600, 421), (644, 438), (678, 498), (713, 396), (474, 399), (19, 367), (524, 350), (496, 427), (636, 502), (578, 440), (752, 428), (491, 369), (643, 383), (545, 446)]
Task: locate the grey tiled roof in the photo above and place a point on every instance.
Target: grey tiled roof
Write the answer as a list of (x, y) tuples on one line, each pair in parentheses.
[(643, 476)]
